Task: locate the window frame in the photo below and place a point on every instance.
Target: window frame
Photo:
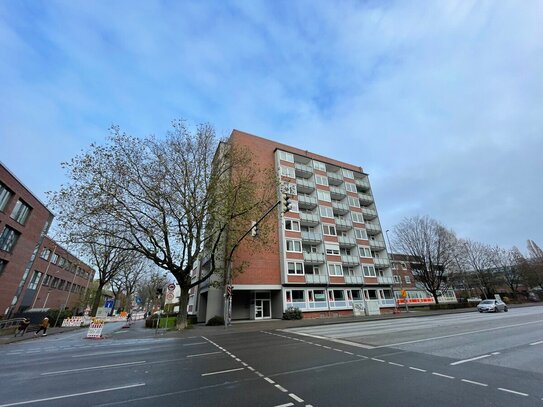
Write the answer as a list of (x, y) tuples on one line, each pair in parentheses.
[(335, 266), (295, 273), (294, 243)]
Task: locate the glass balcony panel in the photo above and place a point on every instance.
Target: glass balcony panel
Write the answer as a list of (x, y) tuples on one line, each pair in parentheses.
[(365, 199), (363, 183), (354, 279), (335, 178), (377, 244), (346, 241), (314, 258), (350, 260), (310, 219), (303, 170), (311, 237), (385, 280), (316, 279), (369, 214)]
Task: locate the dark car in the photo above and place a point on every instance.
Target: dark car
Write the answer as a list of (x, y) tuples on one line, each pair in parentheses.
[(492, 306)]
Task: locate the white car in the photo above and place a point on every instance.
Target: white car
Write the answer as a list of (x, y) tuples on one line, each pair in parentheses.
[(492, 306)]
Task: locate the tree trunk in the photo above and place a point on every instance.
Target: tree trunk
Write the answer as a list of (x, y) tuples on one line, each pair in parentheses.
[(434, 294), (183, 302), (97, 299)]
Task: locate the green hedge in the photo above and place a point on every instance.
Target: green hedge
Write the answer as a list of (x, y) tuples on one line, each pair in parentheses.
[(293, 313)]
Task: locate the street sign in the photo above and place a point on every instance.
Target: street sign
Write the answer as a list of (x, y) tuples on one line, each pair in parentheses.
[(109, 303), (171, 287), (170, 296)]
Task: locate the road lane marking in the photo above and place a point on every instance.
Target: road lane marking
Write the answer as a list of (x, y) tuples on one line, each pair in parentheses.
[(536, 343), (109, 352), (443, 375), (93, 368), (417, 369), (202, 354), (269, 380), (326, 338), (348, 353), (295, 397), (456, 334), (513, 392), (476, 383), (74, 395), (195, 343), (222, 371), (495, 353), (469, 360), (281, 388), (285, 405), (378, 360), (395, 364)]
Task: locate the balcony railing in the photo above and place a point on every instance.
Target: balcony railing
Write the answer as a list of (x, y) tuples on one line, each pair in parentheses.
[(346, 241), (350, 260), (354, 279), (339, 207), (369, 213), (311, 219), (373, 228), (365, 199), (363, 183), (316, 279), (304, 185), (343, 224), (385, 280), (377, 244), (303, 170), (335, 178), (337, 192), (311, 237), (314, 258), (381, 262), (387, 302), (307, 201)]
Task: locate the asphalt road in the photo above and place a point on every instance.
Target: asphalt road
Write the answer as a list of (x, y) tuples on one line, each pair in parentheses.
[(462, 359)]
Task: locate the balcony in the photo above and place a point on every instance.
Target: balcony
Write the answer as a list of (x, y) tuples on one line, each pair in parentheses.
[(303, 170), (340, 208), (347, 260), (381, 262), (308, 202), (314, 258), (311, 237), (309, 219), (373, 229), (387, 302), (385, 280), (343, 224), (377, 244), (316, 279), (365, 199), (346, 241), (363, 183), (369, 214), (335, 178), (337, 193), (354, 279), (305, 186)]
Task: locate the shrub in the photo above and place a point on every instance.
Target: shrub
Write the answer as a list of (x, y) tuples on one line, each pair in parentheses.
[(293, 313), (215, 321), (192, 319)]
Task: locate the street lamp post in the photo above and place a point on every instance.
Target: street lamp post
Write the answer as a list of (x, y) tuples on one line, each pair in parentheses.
[(68, 296), (392, 266), (43, 279)]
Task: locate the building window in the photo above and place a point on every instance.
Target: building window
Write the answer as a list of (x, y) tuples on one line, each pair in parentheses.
[(396, 279), (319, 166), (329, 230), (350, 187), (294, 246), (357, 217), (332, 249), (61, 284), (35, 280), (8, 239), (54, 258), (20, 212), (3, 264), (283, 155), (292, 225), (295, 268), (55, 282), (288, 172), (407, 280), (321, 180), (61, 261), (323, 196), (353, 201), (45, 254), (364, 251), (335, 270), (326, 212), (5, 195), (312, 270), (361, 234), (347, 173), (369, 271), (47, 280), (404, 266)]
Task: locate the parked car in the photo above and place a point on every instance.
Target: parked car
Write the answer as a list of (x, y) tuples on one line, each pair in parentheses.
[(492, 306)]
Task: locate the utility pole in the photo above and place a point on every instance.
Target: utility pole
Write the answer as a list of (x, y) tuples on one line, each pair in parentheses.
[(43, 278)]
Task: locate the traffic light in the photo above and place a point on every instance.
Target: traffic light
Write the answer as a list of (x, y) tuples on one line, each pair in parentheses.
[(286, 203), (254, 229)]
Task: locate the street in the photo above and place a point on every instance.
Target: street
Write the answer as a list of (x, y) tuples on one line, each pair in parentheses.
[(450, 360)]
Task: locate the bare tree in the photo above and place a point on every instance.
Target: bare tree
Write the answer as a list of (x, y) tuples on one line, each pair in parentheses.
[(146, 288), (479, 261), (166, 199), (507, 264), (432, 245), (532, 266)]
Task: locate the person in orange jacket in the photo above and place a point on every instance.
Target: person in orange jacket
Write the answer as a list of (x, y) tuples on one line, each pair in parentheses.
[(43, 326)]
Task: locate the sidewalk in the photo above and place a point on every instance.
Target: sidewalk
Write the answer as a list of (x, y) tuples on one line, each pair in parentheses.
[(30, 334)]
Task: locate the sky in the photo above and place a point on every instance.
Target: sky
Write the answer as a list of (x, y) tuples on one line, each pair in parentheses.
[(440, 102)]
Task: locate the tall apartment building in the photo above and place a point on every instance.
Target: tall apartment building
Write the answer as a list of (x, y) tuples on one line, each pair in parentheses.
[(24, 222), (329, 250)]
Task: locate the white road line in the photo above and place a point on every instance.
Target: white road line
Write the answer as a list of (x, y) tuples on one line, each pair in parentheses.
[(378, 360), (513, 392), (74, 395), (469, 360), (326, 338), (295, 397), (196, 343), (362, 356), (202, 354), (281, 388), (269, 380), (109, 352), (476, 383), (532, 344), (285, 405), (93, 368), (222, 371), (348, 353), (417, 369), (456, 334), (443, 375), (495, 353), (395, 364), (250, 368)]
